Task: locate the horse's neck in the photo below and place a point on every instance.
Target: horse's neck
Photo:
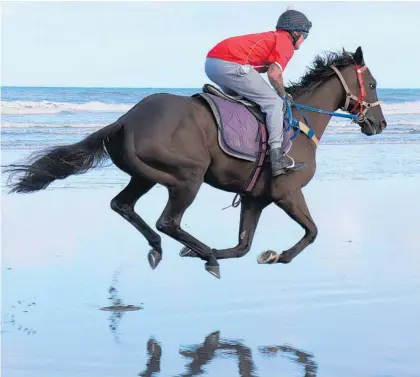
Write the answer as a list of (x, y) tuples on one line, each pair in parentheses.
[(328, 97)]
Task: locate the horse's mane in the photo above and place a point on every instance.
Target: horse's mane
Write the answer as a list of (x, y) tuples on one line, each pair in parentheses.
[(319, 71)]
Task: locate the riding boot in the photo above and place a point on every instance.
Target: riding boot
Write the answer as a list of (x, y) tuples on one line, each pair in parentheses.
[(282, 163)]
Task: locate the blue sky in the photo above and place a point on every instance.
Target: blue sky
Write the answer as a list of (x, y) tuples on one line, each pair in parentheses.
[(164, 44)]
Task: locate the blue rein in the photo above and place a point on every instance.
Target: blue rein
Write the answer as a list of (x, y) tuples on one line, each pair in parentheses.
[(315, 110), (320, 111), (295, 123)]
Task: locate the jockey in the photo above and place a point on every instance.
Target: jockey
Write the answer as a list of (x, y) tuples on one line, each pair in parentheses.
[(234, 65)]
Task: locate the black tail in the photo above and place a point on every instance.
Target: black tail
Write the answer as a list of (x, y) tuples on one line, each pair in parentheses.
[(60, 162)]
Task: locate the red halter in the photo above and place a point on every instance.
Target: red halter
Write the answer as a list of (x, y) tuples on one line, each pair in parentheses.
[(360, 101), (362, 88)]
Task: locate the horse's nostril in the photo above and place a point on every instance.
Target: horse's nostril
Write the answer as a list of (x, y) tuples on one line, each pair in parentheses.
[(383, 124)]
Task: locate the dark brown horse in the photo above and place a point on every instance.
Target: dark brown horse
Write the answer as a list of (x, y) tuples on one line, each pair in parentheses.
[(172, 140)]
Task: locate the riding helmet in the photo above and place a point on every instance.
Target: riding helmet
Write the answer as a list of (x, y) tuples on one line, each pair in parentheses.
[(293, 20)]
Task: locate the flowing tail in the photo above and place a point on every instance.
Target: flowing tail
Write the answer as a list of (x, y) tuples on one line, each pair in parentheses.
[(60, 162)]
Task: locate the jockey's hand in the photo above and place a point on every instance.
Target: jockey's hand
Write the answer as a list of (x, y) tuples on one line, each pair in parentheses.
[(284, 108), (288, 98)]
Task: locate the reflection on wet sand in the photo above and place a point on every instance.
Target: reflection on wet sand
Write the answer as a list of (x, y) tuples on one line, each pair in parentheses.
[(154, 351), (214, 347), (293, 354), (117, 307), (200, 355)]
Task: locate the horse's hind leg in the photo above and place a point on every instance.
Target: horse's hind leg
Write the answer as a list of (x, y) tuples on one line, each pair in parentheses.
[(180, 198), (124, 203)]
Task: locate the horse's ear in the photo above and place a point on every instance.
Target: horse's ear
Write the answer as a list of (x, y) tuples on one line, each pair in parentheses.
[(358, 57)]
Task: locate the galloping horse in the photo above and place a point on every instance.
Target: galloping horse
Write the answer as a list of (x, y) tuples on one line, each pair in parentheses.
[(176, 141)]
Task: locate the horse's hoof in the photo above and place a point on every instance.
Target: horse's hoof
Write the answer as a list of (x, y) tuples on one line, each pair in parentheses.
[(213, 269), (187, 252), (267, 257), (154, 258)]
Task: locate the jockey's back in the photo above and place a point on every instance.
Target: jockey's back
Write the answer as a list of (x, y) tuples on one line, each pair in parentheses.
[(258, 50), (235, 65)]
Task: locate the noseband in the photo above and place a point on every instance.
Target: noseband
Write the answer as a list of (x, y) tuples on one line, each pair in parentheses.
[(360, 101)]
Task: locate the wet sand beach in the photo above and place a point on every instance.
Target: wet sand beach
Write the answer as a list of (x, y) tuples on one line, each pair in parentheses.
[(347, 306)]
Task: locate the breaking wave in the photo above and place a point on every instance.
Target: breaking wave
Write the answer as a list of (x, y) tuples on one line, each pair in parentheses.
[(46, 107)]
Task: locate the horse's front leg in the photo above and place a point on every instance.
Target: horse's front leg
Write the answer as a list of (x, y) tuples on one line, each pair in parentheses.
[(295, 206), (251, 209)]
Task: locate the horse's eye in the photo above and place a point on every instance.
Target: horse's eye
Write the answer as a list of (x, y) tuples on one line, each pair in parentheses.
[(372, 85)]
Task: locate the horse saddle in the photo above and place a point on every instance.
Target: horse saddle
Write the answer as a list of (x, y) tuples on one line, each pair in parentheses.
[(241, 124), (252, 107)]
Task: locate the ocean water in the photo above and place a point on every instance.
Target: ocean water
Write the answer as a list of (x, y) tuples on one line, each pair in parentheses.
[(349, 305), (31, 113), (37, 117)]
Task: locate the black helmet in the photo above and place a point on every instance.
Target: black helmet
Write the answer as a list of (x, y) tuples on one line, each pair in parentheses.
[(294, 20)]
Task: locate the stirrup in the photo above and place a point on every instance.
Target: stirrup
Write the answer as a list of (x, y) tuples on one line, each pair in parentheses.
[(295, 166)]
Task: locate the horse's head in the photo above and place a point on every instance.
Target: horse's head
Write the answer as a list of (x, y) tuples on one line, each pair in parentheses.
[(361, 97)]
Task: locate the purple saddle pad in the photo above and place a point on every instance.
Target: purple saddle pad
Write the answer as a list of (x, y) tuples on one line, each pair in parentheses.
[(239, 133)]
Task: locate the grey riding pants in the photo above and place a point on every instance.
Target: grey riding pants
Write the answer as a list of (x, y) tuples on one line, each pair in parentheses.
[(244, 80)]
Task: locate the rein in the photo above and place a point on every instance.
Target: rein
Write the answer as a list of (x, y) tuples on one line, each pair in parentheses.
[(364, 106), (320, 111)]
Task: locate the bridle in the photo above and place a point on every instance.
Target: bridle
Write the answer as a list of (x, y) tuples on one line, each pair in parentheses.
[(360, 101), (356, 117)]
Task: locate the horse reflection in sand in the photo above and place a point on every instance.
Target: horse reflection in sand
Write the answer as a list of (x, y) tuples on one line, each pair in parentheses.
[(214, 347)]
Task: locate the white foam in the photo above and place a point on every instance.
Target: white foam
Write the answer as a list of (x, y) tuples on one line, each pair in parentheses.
[(46, 107), (391, 122), (52, 125), (404, 108)]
